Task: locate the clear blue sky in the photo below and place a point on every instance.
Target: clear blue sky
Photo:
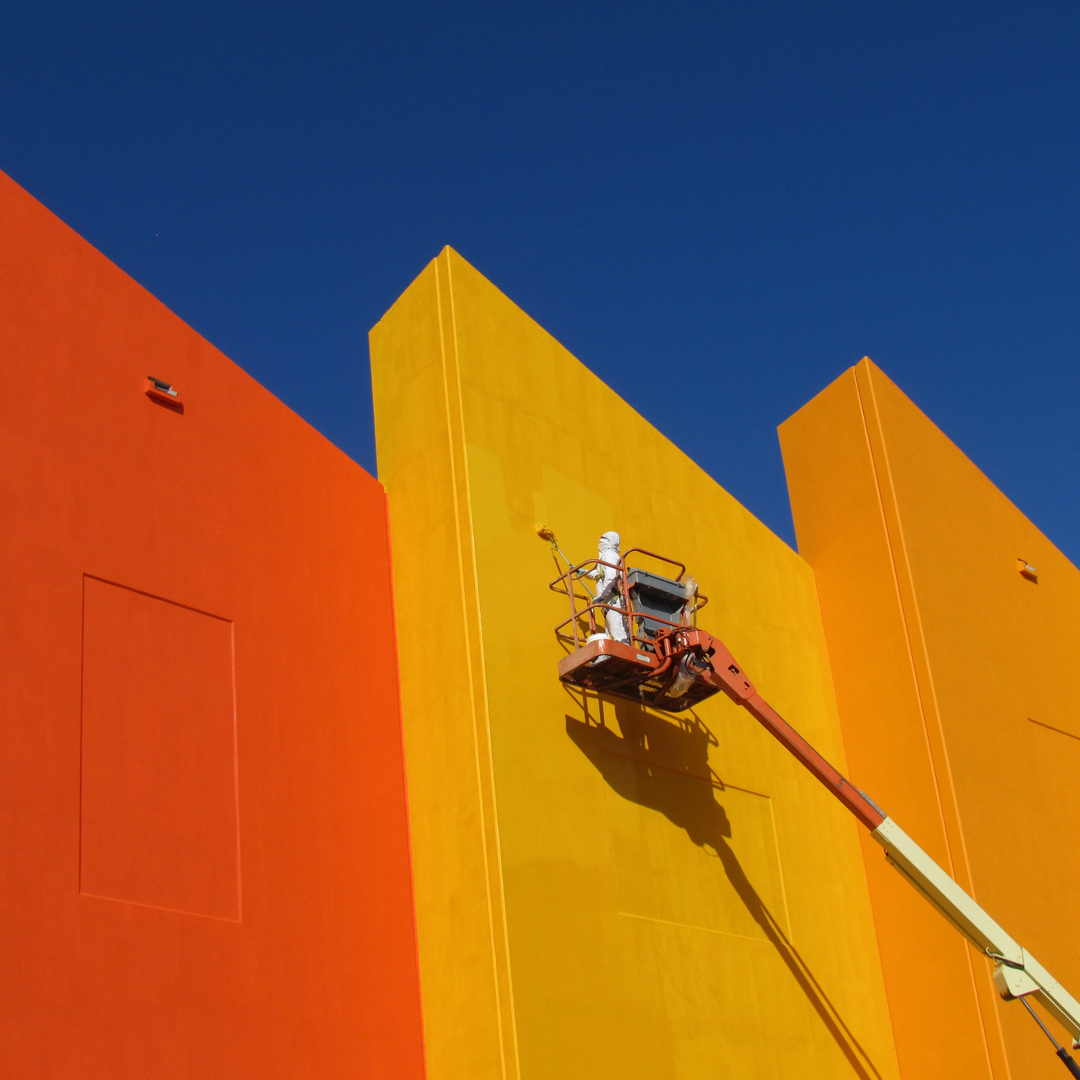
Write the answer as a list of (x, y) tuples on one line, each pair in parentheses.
[(717, 206)]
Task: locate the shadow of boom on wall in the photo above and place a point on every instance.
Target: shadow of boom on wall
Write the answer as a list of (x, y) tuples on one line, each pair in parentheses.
[(663, 765)]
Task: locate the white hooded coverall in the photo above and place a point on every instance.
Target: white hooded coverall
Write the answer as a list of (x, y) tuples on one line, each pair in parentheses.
[(607, 591)]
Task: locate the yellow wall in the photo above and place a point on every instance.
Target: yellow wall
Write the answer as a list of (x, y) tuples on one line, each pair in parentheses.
[(958, 683), (601, 893)]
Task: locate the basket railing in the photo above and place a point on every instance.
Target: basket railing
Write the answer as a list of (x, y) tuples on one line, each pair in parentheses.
[(584, 620)]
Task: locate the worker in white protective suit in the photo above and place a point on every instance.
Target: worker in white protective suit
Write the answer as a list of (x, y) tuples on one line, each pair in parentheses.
[(607, 590)]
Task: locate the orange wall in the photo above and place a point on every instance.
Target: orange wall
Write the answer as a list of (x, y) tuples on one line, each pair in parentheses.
[(202, 808), (957, 682)]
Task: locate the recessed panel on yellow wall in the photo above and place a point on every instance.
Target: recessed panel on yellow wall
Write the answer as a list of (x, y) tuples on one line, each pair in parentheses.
[(602, 890)]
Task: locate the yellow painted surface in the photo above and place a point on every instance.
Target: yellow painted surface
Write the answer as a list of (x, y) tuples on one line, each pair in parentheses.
[(601, 892), (958, 684)]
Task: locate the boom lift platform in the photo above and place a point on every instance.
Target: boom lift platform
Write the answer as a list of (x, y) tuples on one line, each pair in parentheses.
[(668, 663)]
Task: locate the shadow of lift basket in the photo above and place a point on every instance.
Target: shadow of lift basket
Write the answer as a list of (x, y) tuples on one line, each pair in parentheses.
[(666, 662)]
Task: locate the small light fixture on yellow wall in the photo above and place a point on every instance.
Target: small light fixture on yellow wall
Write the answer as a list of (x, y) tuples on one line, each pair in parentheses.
[(1027, 570)]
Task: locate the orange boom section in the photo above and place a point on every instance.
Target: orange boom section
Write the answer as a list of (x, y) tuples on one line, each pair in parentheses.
[(206, 863)]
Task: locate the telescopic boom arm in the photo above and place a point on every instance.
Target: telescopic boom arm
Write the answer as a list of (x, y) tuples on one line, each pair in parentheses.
[(1017, 974)]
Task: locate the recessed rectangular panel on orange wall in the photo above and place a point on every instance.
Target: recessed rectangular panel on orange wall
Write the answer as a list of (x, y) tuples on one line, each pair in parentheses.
[(158, 814)]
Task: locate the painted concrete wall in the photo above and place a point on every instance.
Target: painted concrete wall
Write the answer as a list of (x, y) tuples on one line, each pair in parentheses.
[(204, 866), (957, 680), (601, 891)]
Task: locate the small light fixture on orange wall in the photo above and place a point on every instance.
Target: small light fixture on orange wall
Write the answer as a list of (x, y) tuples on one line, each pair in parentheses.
[(1027, 570), (163, 393)]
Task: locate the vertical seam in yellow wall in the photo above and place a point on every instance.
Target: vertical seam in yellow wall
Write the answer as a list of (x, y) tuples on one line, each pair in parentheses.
[(396, 658), (468, 643), (919, 658), (485, 773)]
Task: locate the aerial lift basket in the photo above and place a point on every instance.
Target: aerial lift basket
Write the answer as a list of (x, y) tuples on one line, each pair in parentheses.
[(665, 659)]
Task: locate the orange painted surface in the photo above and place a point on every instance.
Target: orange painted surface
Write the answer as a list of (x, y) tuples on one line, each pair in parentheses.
[(205, 868), (957, 681), (157, 779)]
